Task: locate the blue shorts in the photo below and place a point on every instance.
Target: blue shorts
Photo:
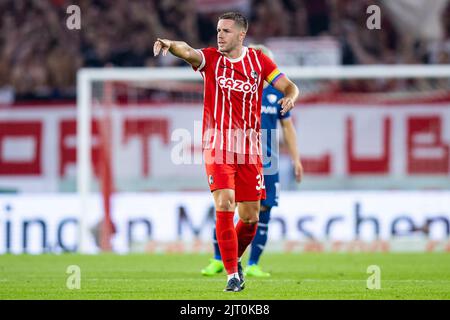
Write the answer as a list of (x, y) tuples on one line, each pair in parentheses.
[(272, 183)]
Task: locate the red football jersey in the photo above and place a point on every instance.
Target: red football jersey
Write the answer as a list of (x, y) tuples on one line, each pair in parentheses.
[(232, 99)]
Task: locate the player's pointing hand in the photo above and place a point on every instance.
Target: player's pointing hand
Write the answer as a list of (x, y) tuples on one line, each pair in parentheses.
[(286, 104), (163, 44)]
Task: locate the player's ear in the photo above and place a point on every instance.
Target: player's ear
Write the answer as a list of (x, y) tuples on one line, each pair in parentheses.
[(242, 35)]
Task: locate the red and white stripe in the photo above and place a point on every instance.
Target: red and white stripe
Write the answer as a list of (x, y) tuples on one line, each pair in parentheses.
[(233, 111)]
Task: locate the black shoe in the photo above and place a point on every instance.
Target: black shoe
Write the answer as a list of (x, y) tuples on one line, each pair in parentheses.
[(241, 275), (233, 285)]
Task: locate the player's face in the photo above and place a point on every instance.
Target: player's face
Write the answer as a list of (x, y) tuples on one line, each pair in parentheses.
[(229, 35)]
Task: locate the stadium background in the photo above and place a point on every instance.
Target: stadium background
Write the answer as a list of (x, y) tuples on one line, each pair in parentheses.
[(375, 152)]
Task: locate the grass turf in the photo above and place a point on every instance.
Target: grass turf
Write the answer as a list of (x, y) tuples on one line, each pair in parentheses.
[(294, 276)]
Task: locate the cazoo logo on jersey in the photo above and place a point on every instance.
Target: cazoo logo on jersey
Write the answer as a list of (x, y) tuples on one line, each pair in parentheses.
[(237, 85)]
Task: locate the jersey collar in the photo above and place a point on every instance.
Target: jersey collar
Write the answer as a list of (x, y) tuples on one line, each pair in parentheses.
[(244, 52)]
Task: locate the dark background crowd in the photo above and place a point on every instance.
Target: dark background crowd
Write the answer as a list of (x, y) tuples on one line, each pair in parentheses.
[(39, 55)]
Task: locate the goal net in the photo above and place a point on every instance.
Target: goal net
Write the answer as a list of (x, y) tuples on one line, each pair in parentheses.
[(358, 128)]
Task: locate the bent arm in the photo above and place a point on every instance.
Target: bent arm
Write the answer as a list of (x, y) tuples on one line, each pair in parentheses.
[(287, 87), (290, 92)]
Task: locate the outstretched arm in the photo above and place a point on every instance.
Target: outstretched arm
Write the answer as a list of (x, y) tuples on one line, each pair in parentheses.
[(290, 92), (290, 137), (179, 49)]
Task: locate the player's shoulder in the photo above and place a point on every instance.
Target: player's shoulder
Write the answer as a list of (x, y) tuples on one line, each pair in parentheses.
[(260, 53), (256, 50), (210, 56), (251, 50), (210, 51)]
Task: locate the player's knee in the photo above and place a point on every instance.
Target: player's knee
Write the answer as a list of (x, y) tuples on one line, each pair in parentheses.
[(249, 213), (225, 204), (250, 220)]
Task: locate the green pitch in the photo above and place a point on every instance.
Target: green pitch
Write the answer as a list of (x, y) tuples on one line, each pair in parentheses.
[(294, 276)]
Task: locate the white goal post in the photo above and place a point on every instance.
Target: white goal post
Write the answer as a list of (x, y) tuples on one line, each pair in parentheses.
[(86, 77)]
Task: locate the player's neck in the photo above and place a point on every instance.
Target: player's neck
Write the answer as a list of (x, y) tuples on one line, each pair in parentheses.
[(235, 53)]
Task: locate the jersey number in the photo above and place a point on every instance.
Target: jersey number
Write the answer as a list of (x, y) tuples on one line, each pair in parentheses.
[(260, 182)]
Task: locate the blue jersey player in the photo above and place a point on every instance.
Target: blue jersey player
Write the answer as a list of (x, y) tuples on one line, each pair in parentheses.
[(270, 115)]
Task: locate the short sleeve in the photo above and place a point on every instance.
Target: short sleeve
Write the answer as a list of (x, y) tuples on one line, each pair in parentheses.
[(270, 70), (207, 58)]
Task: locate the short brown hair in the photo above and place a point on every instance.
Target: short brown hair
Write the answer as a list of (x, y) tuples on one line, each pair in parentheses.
[(237, 17)]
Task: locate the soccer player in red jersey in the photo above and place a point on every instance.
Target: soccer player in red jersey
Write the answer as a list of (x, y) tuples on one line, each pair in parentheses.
[(233, 77)]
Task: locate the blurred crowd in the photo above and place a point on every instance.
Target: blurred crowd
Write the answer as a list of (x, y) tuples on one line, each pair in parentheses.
[(39, 55)]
